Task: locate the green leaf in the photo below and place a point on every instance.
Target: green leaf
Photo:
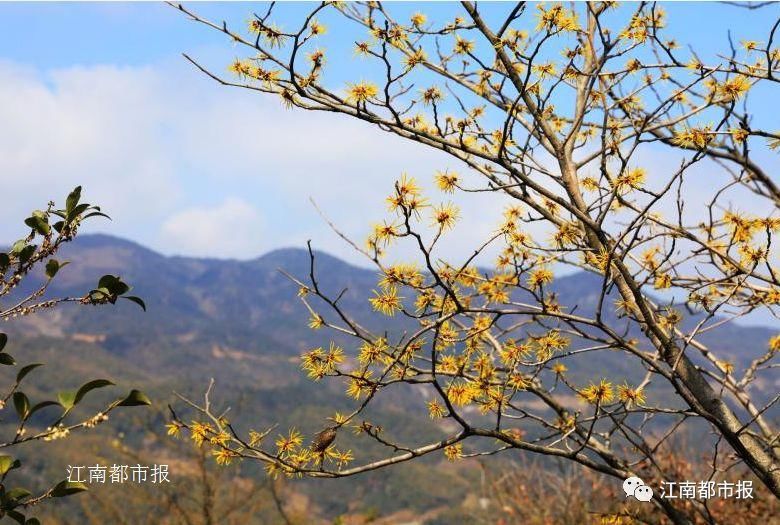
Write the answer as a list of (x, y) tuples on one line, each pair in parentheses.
[(96, 214), (78, 210), (88, 387), (54, 266), (18, 517), (27, 252), (67, 399), (18, 246), (18, 493), (32, 521), (67, 488), (39, 406), (136, 300), (4, 261), (112, 285), (7, 359), (22, 404), (38, 223), (3, 341), (6, 463), (73, 199), (135, 398), (107, 281), (26, 370)]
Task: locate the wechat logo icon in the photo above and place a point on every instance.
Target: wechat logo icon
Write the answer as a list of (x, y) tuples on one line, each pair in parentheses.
[(634, 486)]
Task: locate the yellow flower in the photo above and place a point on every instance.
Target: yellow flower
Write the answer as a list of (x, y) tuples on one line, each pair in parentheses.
[(424, 299), (384, 233), (599, 260), (742, 228), (559, 368), (416, 58), (418, 19), (545, 70), (446, 181), (511, 351), (697, 137), (453, 452), (358, 386), (518, 381), (386, 302), (362, 48), (255, 438), (370, 352), (317, 28), (633, 65), (199, 432), (341, 458), (540, 277), (220, 439), (627, 394), (670, 318), (287, 444), (567, 234), (316, 57), (623, 305), (774, 343), (334, 356), (174, 429), (407, 194), (445, 216), (431, 95), (224, 456), (435, 409), (772, 296), (725, 366), (405, 274), (663, 281), (749, 45), (462, 47), (254, 25), (240, 68), (556, 18), (460, 394), (739, 134), (549, 343), (630, 179), (734, 87), (316, 322), (601, 393), (271, 33), (361, 92)]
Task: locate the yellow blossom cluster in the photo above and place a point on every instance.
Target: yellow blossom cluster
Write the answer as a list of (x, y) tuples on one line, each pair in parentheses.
[(556, 18), (318, 362)]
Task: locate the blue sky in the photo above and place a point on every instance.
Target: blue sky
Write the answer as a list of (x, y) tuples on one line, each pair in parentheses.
[(98, 94)]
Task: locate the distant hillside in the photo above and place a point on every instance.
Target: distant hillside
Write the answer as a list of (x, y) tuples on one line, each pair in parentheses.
[(242, 323), (252, 306)]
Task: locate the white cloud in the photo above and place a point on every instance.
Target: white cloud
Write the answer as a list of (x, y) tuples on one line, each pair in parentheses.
[(147, 142), (164, 145), (230, 229), (96, 127)]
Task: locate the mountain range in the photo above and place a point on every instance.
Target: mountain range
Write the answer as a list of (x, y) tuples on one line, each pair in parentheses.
[(215, 310), (242, 323)]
